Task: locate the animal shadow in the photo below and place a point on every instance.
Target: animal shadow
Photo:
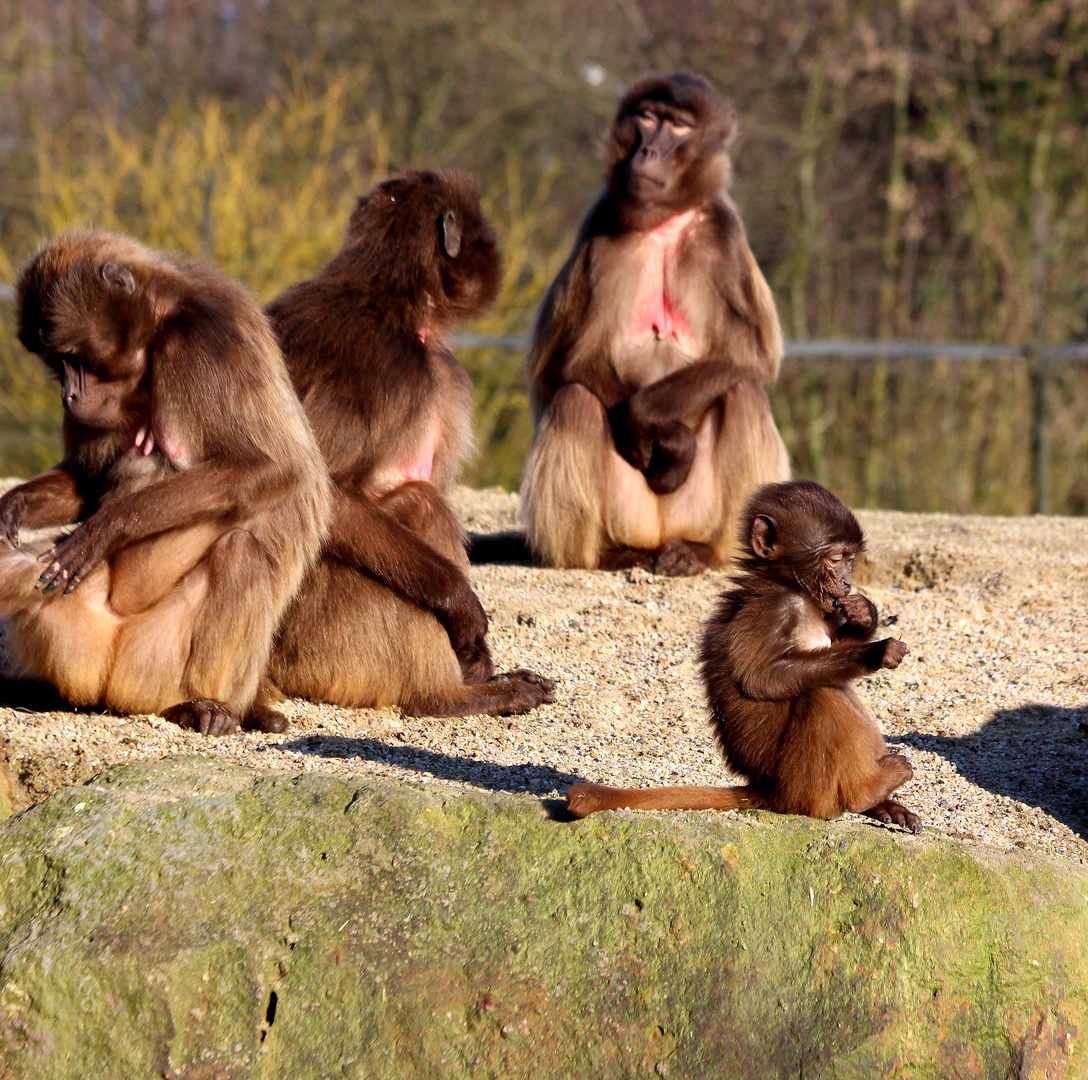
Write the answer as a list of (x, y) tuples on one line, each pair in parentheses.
[(524, 778), (30, 696), (1036, 754)]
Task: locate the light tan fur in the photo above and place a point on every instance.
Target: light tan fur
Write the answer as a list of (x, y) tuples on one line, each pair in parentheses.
[(641, 299), (208, 533)]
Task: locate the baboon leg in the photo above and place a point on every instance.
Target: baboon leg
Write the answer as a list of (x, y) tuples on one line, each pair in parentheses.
[(563, 494), (64, 640), (749, 452), (199, 655), (832, 757), (502, 695), (348, 640), (420, 507)]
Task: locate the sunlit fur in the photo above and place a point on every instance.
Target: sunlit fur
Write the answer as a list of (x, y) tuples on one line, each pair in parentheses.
[(691, 399), (201, 499), (388, 617), (778, 668)]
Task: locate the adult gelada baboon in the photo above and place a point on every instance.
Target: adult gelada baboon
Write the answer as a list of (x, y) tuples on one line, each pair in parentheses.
[(650, 354), (388, 616), (198, 488)]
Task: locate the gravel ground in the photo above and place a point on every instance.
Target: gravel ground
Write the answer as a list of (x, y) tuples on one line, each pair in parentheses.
[(991, 706)]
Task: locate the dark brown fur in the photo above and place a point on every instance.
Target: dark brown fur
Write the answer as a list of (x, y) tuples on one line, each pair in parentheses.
[(198, 488), (778, 660), (650, 354), (388, 617)]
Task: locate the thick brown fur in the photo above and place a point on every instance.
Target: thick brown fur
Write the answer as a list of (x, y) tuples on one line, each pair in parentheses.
[(779, 657), (651, 352), (387, 616), (197, 485)]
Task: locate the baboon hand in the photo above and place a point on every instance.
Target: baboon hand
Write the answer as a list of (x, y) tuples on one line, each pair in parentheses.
[(74, 556), (671, 459), (662, 450), (887, 653), (466, 624), (858, 611), (631, 435)]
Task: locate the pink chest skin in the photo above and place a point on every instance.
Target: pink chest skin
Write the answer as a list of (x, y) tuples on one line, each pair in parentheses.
[(421, 466), (418, 465), (150, 437), (657, 313)]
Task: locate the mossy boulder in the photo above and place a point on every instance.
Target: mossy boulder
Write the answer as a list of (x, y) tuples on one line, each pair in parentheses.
[(199, 921)]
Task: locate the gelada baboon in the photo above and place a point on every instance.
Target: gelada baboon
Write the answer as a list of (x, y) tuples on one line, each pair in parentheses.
[(650, 354), (778, 659), (387, 616), (198, 488)]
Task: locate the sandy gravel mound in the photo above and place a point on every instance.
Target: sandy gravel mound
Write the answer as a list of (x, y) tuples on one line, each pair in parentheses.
[(991, 706)]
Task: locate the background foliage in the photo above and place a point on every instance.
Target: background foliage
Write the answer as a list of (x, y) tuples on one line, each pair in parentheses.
[(906, 168)]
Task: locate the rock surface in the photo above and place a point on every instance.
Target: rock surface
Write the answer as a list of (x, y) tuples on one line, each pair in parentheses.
[(195, 920)]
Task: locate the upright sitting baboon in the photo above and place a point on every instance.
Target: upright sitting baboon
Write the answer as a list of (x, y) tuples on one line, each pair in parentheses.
[(388, 616), (650, 354)]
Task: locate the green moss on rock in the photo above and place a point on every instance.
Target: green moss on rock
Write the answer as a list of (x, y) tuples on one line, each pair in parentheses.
[(190, 919)]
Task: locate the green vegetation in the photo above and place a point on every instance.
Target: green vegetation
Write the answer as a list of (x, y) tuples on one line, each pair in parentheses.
[(910, 170)]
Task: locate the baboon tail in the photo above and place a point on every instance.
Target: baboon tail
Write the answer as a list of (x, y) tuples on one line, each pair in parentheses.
[(584, 799), (508, 547)]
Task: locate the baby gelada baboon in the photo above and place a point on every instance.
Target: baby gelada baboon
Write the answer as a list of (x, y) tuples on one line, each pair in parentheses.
[(779, 658)]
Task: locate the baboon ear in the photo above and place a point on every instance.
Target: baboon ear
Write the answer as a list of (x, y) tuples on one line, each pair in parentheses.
[(118, 277), (451, 234), (763, 537)]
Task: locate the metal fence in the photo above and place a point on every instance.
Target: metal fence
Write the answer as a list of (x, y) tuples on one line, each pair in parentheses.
[(826, 349)]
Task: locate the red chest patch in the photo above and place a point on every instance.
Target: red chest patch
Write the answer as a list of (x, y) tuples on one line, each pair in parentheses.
[(657, 312), (662, 318)]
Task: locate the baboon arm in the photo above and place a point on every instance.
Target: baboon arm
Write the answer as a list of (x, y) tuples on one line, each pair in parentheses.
[(686, 394), (796, 671), (751, 330), (208, 491), (364, 536), (50, 499)]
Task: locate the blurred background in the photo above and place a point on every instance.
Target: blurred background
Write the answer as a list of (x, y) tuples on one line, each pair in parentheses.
[(907, 169)]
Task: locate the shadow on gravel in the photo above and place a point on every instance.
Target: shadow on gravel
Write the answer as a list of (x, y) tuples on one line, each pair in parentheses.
[(1036, 754), (30, 696), (525, 778)]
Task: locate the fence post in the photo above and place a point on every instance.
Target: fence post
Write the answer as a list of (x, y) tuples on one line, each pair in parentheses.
[(1040, 430), (1040, 366)]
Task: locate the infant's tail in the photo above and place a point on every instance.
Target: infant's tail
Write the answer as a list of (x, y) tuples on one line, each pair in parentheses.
[(585, 799)]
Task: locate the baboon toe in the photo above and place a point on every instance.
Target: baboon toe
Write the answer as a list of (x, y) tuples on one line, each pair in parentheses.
[(678, 558), (262, 718), (205, 715), (891, 812), (524, 675), (521, 691)]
